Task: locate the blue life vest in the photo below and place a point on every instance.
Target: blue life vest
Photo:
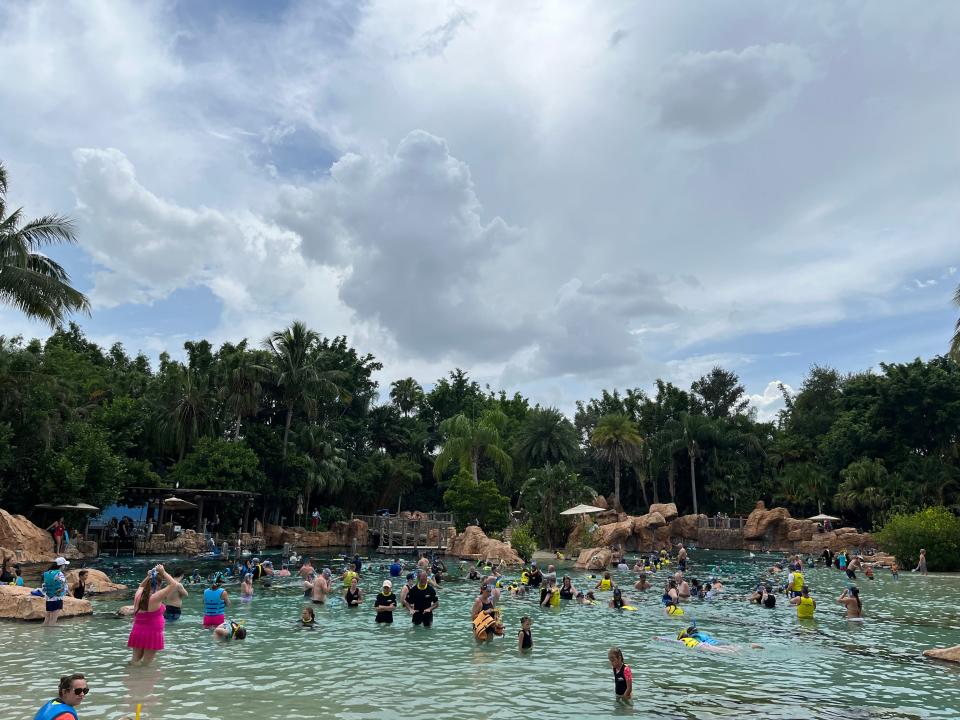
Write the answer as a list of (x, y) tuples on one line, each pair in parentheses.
[(54, 708), (395, 570), (213, 602), (53, 584)]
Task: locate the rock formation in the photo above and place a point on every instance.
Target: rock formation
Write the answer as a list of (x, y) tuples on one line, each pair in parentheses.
[(597, 558), (762, 521), (97, 582), (23, 540), (950, 654), (472, 543), (16, 603), (668, 510), (341, 534)]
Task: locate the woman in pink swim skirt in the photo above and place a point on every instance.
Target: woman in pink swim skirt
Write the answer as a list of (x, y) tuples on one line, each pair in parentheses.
[(146, 637)]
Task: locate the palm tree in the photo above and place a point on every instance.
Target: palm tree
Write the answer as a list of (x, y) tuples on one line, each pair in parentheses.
[(546, 438), (240, 387), (466, 440), (29, 280), (617, 440), (297, 372), (406, 394), (190, 415), (694, 433), (954, 343), (325, 461)]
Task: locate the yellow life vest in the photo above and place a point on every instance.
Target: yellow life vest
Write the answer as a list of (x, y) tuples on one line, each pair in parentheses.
[(524, 578), (606, 584), (555, 599), (805, 608), (348, 578), (797, 581), (690, 642), (674, 610)]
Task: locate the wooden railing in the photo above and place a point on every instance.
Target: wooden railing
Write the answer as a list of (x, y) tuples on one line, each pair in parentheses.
[(723, 523)]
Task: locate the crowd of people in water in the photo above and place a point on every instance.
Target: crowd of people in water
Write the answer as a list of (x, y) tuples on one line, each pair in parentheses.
[(160, 595)]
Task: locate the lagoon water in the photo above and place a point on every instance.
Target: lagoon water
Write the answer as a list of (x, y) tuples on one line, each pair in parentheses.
[(351, 668)]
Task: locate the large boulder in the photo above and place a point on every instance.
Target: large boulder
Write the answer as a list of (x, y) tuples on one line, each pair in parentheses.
[(950, 654), (23, 540), (761, 521), (651, 521), (97, 582), (597, 558), (340, 534), (473, 543), (16, 603), (686, 527), (614, 533), (668, 510)]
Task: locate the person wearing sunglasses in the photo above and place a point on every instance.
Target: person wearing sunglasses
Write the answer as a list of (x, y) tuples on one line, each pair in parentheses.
[(73, 689)]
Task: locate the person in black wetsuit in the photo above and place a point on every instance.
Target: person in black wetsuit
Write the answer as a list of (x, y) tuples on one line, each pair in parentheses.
[(536, 576), (354, 595), (525, 636), (622, 677), (567, 590), (422, 600), (385, 603)]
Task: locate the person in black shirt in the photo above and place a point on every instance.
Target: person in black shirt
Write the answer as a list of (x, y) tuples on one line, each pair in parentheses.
[(385, 603), (536, 576), (422, 600), (525, 636), (81, 589)]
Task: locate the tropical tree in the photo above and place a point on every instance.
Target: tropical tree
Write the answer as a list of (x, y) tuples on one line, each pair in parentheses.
[(549, 491), (325, 464), (297, 374), (406, 394), (694, 433), (30, 280), (954, 343), (466, 441), (546, 437), (240, 385), (190, 414), (616, 440)]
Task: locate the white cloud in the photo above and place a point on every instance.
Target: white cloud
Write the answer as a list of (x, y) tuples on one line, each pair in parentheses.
[(770, 402)]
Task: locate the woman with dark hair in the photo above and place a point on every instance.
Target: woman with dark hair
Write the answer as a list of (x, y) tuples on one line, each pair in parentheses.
[(146, 637), (850, 599), (71, 692)]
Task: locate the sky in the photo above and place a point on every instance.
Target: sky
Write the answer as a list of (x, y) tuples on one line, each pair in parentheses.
[(558, 197)]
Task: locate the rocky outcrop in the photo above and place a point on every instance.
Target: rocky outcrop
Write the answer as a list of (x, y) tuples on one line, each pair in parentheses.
[(686, 527), (950, 654), (23, 540), (597, 558), (650, 521), (16, 603), (836, 540), (98, 582), (668, 510), (341, 534), (761, 521), (472, 543)]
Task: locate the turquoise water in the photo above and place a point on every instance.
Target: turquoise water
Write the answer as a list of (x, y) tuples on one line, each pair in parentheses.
[(353, 669)]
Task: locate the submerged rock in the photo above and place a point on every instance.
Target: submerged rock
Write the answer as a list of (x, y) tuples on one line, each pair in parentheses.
[(98, 582)]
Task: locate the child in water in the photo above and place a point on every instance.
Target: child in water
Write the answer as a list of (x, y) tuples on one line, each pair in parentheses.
[(246, 588), (622, 677), (229, 630), (895, 571), (525, 637), (307, 617)]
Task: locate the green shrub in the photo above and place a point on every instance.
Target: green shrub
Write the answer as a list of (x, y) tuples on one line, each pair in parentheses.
[(934, 528), (523, 541)]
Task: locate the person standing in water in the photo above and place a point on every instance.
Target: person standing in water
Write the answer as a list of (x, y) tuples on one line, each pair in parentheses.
[(682, 559), (385, 603), (215, 603), (354, 595), (54, 588), (146, 636), (246, 588), (525, 636), (922, 563), (805, 604), (174, 601), (70, 693), (321, 586), (850, 599), (422, 600), (622, 677)]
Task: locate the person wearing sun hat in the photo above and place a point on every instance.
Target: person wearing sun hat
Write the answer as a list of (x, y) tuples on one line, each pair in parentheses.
[(54, 590), (385, 603)]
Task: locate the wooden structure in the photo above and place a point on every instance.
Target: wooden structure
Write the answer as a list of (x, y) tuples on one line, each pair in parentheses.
[(199, 497), (405, 535)]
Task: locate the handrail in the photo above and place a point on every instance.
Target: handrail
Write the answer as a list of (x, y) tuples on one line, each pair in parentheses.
[(722, 523)]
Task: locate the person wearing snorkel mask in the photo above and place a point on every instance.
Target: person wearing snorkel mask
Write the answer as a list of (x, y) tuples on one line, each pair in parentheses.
[(229, 630), (146, 636)]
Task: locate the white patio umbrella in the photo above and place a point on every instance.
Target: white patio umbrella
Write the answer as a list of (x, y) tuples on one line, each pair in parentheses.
[(582, 510), (821, 517)]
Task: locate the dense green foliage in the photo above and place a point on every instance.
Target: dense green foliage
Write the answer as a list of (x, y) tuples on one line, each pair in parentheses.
[(935, 529), (523, 540), (301, 415)]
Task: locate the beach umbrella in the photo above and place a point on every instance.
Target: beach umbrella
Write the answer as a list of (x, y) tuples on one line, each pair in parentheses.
[(582, 510), (175, 503), (821, 517)]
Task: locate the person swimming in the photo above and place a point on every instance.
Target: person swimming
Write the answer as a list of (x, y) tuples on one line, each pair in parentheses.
[(308, 618), (230, 630), (642, 583), (617, 602)]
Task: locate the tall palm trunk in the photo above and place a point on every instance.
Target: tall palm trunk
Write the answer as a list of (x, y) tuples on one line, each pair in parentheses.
[(653, 480), (474, 467), (693, 479), (672, 481), (643, 490), (616, 485), (286, 429)]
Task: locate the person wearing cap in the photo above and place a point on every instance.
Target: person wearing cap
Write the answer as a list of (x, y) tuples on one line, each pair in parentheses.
[(536, 576), (385, 603), (54, 588)]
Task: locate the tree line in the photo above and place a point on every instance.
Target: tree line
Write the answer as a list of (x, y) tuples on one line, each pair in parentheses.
[(300, 415)]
